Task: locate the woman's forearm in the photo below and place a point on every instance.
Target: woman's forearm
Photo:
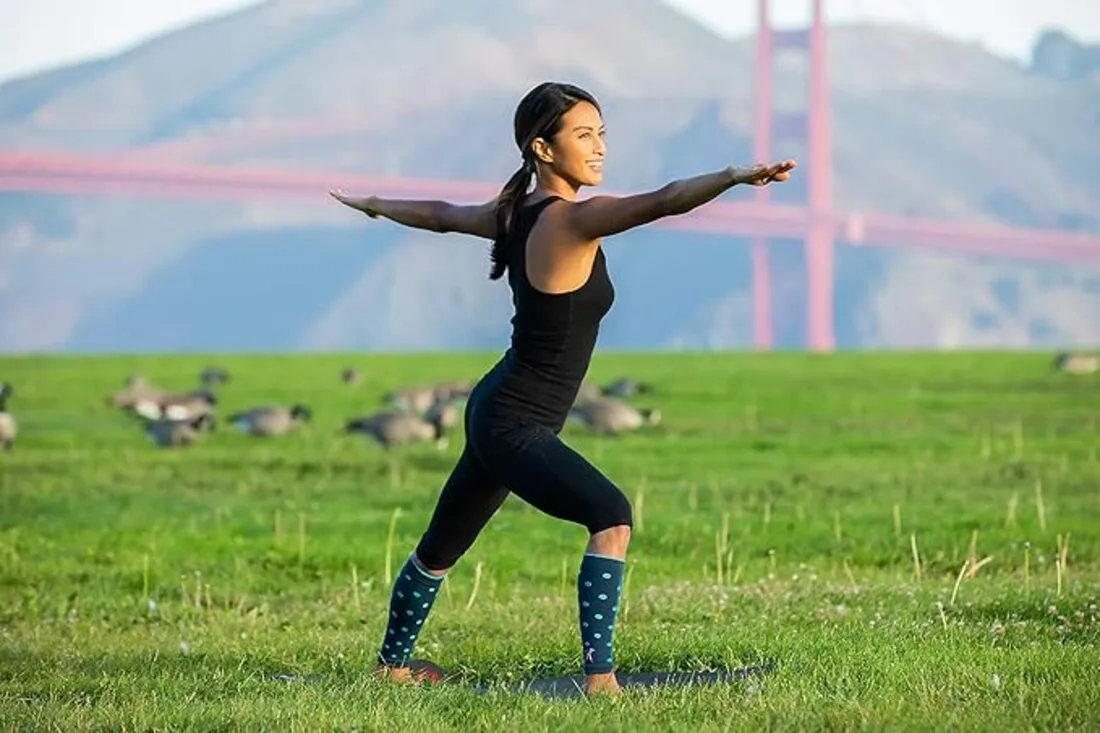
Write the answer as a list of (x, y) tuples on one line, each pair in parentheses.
[(430, 215), (683, 195)]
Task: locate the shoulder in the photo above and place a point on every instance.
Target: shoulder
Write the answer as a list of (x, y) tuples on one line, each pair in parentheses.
[(567, 217)]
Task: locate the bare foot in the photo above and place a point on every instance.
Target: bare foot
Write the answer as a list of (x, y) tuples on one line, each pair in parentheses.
[(408, 675), (602, 684)]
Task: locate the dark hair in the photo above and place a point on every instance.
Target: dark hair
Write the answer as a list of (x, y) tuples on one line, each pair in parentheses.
[(538, 115)]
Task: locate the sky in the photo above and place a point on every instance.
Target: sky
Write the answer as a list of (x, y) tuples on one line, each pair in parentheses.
[(42, 34)]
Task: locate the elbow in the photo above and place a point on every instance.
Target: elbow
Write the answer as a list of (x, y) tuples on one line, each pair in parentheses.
[(438, 220)]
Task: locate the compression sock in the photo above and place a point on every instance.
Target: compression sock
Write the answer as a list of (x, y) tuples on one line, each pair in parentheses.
[(599, 585), (411, 599)]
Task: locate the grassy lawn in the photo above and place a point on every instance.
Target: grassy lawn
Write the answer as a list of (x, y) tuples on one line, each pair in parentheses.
[(818, 511)]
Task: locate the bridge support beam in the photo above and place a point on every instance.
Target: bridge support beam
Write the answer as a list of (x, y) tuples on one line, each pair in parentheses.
[(809, 130)]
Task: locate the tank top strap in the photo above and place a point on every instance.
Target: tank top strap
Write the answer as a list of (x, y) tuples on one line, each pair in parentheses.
[(532, 211), (528, 215)]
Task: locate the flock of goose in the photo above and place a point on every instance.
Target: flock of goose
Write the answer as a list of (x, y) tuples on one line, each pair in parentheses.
[(426, 413), (414, 414)]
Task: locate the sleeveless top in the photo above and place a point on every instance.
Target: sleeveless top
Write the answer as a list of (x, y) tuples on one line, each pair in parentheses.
[(553, 337)]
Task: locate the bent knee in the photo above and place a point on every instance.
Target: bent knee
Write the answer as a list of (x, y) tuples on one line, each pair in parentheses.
[(614, 516), (616, 535), (611, 542)]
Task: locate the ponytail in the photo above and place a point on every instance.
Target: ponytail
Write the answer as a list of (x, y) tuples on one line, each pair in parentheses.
[(508, 203)]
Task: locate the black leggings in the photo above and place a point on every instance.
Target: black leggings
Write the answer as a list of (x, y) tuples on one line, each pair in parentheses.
[(534, 464)]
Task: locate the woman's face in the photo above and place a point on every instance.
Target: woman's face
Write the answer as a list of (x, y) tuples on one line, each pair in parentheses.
[(576, 152)]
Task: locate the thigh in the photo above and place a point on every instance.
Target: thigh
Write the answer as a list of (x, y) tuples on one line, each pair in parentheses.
[(468, 500), (552, 477)]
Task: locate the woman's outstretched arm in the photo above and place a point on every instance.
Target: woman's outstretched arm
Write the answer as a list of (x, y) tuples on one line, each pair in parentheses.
[(602, 216), (436, 216)]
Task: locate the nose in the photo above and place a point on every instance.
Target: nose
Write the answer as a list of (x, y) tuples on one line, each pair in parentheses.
[(601, 145)]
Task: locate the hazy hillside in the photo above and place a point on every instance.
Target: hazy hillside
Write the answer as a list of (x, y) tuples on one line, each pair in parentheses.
[(427, 87)]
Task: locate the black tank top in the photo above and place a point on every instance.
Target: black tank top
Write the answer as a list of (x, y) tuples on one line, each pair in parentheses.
[(553, 337)]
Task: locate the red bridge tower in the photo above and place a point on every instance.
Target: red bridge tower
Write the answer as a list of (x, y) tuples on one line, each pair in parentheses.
[(809, 129)]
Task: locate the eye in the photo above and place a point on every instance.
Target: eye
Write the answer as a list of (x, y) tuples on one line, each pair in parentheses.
[(585, 135)]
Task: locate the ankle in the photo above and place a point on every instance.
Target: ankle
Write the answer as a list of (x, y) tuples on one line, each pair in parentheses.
[(603, 683), (599, 676)]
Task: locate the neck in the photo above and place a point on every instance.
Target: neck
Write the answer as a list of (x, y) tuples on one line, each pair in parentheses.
[(548, 183)]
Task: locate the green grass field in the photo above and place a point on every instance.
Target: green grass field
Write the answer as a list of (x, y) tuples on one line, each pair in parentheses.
[(816, 511)]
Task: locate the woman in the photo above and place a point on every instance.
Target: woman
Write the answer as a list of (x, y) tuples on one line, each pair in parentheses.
[(548, 243)]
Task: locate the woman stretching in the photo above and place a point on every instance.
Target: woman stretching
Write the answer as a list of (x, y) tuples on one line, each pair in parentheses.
[(548, 243)]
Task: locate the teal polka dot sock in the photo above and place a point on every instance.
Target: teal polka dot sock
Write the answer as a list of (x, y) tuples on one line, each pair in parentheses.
[(599, 585), (411, 600)]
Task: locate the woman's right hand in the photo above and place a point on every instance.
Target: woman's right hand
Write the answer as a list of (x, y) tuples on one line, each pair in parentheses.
[(762, 175), (366, 204)]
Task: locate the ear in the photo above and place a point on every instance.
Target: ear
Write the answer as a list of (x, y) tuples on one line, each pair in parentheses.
[(542, 150)]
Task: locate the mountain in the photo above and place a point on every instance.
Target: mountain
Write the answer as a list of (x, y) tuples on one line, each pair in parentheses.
[(922, 126), (1060, 56)]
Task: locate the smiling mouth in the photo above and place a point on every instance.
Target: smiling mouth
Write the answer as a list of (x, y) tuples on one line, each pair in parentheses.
[(596, 165)]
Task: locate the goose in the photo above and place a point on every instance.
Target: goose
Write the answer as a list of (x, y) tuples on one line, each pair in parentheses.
[(270, 419), (453, 390), (136, 389), (420, 399), (213, 375), (393, 428), (173, 433), (625, 388), (611, 416), (8, 427), (587, 391), (1076, 363), (444, 413), (188, 406), (416, 400)]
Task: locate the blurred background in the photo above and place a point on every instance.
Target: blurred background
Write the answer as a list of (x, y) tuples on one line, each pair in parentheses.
[(164, 169)]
